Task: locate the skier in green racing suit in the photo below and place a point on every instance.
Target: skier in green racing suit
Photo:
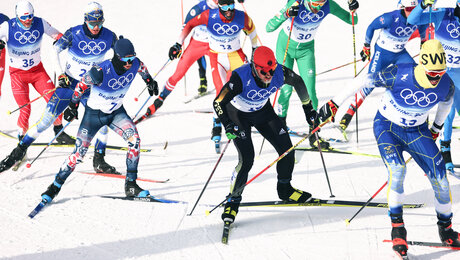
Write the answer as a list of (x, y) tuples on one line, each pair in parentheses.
[(307, 15)]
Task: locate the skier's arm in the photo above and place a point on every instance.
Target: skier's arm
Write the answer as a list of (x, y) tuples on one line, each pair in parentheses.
[(194, 11), (418, 17), (381, 22), (4, 31), (63, 43), (199, 20), (93, 77), (51, 31), (279, 18), (232, 88), (341, 13), (152, 85), (250, 30), (444, 107), (291, 78)]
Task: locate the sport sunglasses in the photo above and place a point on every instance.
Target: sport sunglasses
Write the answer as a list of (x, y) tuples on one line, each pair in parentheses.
[(227, 7), (26, 17)]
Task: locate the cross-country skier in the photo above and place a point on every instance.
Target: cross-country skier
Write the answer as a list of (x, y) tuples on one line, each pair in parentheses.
[(244, 103), (3, 18), (307, 16), (87, 45), (401, 125), (447, 26), (109, 81), (224, 25), (395, 32), (23, 36), (195, 51)]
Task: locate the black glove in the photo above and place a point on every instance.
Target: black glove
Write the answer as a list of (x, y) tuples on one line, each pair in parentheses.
[(328, 111), (311, 115), (353, 5), (175, 51), (71, 112), (232, 131), (2, 45), (152, 85), (240, 1), (293, 11), (63, 81), (366, 52)]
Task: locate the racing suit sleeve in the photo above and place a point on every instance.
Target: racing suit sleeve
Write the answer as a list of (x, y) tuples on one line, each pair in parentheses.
[(341, 13), (291, 78), (231, 89), (279, 18)]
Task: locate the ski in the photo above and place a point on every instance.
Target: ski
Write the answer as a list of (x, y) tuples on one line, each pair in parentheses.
[(198, 96), (344, 132), (301, 134), (454, 173), (428, 244), (123, 177), (109, 147), (5, 134), (146, 199), (322, 203), (38, 208), (226, 232), (334, 150)]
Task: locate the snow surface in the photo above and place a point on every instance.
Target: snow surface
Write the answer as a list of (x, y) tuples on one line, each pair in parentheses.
[(81, 225)]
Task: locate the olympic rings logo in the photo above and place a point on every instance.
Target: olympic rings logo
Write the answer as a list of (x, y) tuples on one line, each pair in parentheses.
[(122, 82), (419, 97), (309, 16), (27, 37), (405, 31), (226, 29), (92, 47), (262, 94), (453, 30)]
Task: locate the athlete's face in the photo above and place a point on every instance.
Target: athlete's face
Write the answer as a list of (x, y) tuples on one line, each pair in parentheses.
[(227, 11), (26, 20), (434, 76), (408, 10), (265, 74), (94, 27), (128, 61), (315, 6)]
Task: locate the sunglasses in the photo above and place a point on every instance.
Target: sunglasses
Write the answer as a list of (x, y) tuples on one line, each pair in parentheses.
[(318, 4), (435, 73), (261, 70), (93, 24), (26, 17), (128, 60), (227, 7)]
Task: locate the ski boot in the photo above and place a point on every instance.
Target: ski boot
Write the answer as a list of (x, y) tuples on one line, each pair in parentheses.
[(448, 236), (324, 145), (399, 235), (203, 88), (288, 193), (231, 209), (15, 156), (63, 138), (346, 119), (216, 133), (100, 166), (51, 192), (133, 190), (445, 152)]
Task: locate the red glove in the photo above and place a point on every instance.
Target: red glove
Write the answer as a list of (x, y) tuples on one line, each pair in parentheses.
[(328, 111), (366, 52), (435, 129)]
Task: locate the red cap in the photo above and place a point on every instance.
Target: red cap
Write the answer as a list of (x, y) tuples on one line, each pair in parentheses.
[(264, 58)]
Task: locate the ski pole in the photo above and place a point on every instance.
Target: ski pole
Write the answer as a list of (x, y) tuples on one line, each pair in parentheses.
[(167, 62), (209, 179), (30, 102), (46, 147), (244, 8), (341, 66), (324, 165), (369, 200), (284, 60), (270, 165), (363, 68), (354, 57)]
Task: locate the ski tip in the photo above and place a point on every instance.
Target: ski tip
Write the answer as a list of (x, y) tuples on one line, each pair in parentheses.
[(207, 212)]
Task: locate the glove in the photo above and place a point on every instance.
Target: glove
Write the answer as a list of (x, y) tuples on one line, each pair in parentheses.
[(366, 52), (232, 132), (2, 45), (152, 85), (175, 51), (293, 11), (328, 111), (240, 1), (71, 112), (435, 129), (353, 5), (63, 81), (426, 3), (311, 115)]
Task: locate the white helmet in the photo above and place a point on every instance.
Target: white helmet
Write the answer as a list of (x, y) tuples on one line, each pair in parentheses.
[(407, 3), (93, 12), (24, 8)]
